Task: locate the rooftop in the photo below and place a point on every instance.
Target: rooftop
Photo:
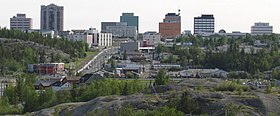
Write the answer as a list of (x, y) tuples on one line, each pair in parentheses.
[(171, 14), (205, 16)]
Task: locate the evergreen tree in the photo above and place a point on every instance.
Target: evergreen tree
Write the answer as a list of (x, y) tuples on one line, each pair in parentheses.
[(125, 89)]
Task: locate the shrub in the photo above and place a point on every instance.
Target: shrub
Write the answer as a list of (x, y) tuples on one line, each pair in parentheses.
[(231, 86)]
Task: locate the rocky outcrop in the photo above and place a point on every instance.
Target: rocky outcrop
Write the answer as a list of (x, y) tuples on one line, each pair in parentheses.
[(210, 102)]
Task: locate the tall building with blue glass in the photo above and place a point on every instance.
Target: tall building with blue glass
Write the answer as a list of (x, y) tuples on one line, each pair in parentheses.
[(130, 19)]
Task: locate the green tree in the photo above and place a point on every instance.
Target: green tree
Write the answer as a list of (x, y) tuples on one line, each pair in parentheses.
[(166, 111), (162, 78), (125, 89), (187, 104), (30, 98), (63, 96)]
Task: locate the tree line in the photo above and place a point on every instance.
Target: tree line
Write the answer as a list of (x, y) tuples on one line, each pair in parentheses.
[(204, 53), (23, 97)]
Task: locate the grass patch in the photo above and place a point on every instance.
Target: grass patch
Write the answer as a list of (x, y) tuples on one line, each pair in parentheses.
[(79, 62)]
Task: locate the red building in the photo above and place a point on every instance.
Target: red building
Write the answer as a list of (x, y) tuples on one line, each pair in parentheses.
[(169, 30), (171, 26), (46, 69)]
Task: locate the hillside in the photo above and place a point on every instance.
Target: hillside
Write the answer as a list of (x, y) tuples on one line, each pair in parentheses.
[(18, 53), (203, 100), (17, 49), (11, 43)]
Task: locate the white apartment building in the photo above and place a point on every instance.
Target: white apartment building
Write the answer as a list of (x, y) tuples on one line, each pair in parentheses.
[(20, 22), (151, 38), (92, 37), (99, 38), (102, 39), (122, 31), (80, 37), (261, 29)]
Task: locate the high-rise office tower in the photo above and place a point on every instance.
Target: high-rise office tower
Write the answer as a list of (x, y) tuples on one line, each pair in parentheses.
[(52, 17), (130, 19), (20, 22), (204, 24), (171, 26)]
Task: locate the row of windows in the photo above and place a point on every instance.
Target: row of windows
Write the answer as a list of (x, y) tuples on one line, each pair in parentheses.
[(204, 25), (203, 29), (204, 20), (150, 36), (261, 27), (20, 22), (20, 25)]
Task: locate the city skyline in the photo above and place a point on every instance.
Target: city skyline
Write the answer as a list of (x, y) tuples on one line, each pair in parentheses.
[(230, 15)]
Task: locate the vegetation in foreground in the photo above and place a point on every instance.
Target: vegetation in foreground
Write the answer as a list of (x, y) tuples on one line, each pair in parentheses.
[(24, 98)]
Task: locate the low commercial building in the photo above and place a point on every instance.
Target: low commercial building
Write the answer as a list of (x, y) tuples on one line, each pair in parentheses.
[(80, 37), (117, 41), (46, 69), (234, 34), (199, 73), (104, 25), (122, 31), (130, 46), (261, 29), (151, 38), (124, 68), (165, 66)]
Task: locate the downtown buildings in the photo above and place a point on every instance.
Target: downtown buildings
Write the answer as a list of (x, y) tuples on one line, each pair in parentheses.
[(126, 28), (261, 29), (130, 19), (204, 24), (104, 25), (151, 38), (20, 22), (122, 31), (171, 26), (92, 37), (52, 17)]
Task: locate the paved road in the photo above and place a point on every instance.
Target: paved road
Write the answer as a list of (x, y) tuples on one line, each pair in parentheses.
[(97, 61)]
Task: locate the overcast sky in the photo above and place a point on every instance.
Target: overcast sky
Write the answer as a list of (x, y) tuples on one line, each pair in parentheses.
[(231, 15)]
